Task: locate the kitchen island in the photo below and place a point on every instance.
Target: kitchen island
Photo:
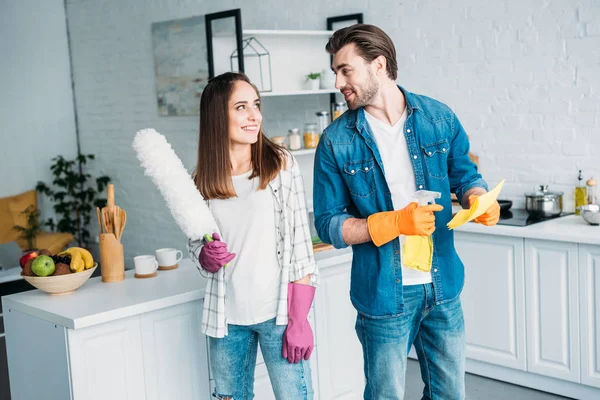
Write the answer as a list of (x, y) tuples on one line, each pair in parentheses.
[(140, 339), (532, 304)]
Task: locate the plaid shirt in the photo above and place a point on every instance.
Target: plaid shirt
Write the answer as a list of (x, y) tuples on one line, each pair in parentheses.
[(294, 251)]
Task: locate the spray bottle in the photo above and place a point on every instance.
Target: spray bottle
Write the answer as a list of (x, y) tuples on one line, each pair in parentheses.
[(417, 252)]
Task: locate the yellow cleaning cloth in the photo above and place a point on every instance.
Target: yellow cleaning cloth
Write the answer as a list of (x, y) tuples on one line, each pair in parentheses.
[(479, 206), (418, 252)]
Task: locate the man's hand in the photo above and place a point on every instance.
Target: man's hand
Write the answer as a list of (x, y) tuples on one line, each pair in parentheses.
[(491, 216)]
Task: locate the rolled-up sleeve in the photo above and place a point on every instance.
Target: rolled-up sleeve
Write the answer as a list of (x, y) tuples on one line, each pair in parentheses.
[(194, 247), (462, 172), (330, 196)]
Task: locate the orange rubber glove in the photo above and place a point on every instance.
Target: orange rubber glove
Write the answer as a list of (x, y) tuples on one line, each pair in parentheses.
[(411, 220), (490, 217)]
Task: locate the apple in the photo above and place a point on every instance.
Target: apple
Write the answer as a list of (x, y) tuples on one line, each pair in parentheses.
[(25, 257), (43, 266)]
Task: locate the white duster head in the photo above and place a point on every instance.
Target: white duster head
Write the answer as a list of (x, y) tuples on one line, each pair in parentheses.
[(176, 186)]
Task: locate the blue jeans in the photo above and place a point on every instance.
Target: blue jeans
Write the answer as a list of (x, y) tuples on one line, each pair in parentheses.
[(438, 333), (233, 359)]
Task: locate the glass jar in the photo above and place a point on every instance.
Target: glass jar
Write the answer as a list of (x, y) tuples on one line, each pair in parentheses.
[(322, 121), (311, 135), (338, 109), (279, 140), (294, 139)]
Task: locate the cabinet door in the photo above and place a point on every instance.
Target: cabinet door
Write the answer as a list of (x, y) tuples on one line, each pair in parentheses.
[(493, 298), (106, 361), (589, 285), (552, 309), (339, 354), (175, 356)]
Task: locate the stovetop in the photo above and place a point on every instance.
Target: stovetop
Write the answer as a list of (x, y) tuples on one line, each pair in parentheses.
[(520, 217)]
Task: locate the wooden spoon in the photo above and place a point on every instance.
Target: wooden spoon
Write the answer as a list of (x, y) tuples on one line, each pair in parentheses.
[(117, 222), (99, 220), (123, 218)]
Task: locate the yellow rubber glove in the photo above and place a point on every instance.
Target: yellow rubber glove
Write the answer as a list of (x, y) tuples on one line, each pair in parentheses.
[(411, 220), (491, 216)]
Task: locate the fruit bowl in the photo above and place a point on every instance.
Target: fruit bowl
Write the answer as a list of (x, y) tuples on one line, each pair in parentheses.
[(60, 284)]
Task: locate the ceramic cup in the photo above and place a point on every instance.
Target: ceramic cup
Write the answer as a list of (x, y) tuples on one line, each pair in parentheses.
[(145, 265), (168, 257)]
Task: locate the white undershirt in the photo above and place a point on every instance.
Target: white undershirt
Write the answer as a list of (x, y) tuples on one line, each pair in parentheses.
[(400, 177), (253, 277)]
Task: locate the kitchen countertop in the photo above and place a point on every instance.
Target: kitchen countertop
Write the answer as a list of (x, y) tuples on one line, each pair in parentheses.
[(571, 228), (97, 302)]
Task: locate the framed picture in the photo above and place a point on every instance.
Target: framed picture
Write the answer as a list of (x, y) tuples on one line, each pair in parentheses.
[(224, 34), (180, 65)]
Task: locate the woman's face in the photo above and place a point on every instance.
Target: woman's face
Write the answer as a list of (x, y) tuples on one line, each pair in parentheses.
[(244, 114)]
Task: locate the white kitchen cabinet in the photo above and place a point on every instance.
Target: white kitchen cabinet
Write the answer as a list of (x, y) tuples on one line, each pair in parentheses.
[(552, 309), (106, 361), (340, 355), (589, 286), (174, 353), (493, 298)]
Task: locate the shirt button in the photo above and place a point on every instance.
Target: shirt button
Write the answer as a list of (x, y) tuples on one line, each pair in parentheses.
[(435, 270), (277, 252), (420, 186), (275, 190), (397, 280), (352, 171), (443, 150), (429, 153), (408, 130), (366, 168), (415, 157), (396, 252)]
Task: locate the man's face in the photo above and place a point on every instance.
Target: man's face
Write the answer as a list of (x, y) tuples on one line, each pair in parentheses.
[(355, 78)]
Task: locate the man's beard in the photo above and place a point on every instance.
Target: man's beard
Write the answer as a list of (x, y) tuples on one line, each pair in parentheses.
[(368, 93)]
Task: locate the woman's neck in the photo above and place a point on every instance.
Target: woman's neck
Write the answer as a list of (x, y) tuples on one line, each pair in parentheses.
[(241, 159)]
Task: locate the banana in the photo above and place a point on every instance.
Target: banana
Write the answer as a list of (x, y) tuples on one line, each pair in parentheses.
[(77, 264), (88, 260)]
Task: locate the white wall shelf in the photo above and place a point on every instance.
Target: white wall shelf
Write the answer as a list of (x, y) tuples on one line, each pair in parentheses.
[(263, 32), (299, 92), (302, 152)]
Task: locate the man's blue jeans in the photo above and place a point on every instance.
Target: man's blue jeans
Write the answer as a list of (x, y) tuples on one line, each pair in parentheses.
[(233, 359), (438, 333)]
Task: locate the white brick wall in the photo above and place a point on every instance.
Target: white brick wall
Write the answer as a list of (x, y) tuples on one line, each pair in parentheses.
[(523, 77)]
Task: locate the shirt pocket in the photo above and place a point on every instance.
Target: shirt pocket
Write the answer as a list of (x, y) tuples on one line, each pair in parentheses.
[(436, 158), (360, 177)]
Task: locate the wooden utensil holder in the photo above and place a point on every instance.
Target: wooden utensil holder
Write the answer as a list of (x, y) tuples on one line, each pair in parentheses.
[(112, 259)]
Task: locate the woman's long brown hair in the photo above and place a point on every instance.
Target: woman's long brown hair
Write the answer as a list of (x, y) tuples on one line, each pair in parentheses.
[(213, 169)]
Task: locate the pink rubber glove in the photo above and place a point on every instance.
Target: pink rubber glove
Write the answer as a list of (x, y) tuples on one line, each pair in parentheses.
[(214, 254), (298, 340)]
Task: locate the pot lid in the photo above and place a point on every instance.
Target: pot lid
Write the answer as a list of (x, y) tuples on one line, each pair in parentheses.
[(543, 192)]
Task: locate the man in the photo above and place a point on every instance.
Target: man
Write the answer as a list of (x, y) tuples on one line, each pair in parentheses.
[(369, 163)]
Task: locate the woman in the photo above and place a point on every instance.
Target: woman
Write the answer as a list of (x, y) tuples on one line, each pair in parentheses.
[(262, 271)]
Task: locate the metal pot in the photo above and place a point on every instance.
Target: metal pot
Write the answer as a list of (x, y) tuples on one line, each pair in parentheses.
[(544, 203)]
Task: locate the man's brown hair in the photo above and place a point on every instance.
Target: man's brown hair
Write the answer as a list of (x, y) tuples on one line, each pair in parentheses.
[(213, 171), (371, 42)]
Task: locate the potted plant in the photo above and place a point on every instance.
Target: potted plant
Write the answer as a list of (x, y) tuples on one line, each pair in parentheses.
[(313, 79), (74, 198), (32, 228)]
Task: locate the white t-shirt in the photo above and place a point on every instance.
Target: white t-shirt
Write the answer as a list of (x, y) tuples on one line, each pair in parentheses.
[(400, 178), (253, 277)]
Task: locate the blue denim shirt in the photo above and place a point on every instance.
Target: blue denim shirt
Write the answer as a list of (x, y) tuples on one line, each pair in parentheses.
[(349, 181)]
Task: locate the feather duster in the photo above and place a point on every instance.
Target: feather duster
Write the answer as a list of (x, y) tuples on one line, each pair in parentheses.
[(161, 164)]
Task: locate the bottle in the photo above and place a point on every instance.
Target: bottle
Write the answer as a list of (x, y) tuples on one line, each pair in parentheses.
[(322, 121), (580, 194), (294, 139), (280, 140), (311, 136), (338, 109), (591, 191)]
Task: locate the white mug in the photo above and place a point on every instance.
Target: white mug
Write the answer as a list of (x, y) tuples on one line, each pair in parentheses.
[(168, 257), (145, 265)]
